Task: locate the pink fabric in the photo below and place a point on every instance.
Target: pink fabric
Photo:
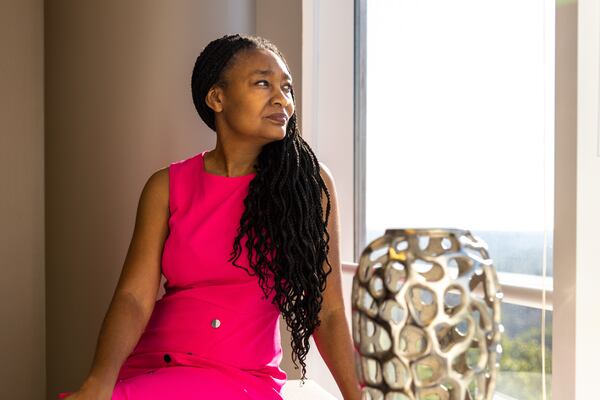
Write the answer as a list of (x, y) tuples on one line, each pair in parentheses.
[(181, 355)]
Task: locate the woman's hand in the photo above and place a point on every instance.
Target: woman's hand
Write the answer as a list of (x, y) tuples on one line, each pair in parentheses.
[(89, 394), (90, 391)]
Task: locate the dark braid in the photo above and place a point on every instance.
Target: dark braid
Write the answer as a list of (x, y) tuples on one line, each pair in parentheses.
[(283, 217)]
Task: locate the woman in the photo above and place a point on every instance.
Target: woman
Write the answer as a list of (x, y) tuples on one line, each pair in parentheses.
[(242, 235)]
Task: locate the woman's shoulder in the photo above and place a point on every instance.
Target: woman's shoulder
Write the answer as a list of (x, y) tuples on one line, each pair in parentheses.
[(157, 185), (161, 175)]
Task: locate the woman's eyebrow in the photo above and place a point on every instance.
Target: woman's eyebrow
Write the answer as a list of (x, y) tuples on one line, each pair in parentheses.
[(269, 72)]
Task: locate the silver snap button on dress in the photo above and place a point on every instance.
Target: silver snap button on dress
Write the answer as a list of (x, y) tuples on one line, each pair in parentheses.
[(215, 323)]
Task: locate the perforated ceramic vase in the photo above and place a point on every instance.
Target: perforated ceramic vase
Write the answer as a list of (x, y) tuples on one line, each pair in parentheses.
[(426, 317)]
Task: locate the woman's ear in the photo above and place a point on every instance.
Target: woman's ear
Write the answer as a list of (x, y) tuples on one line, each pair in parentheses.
[(214, 99)]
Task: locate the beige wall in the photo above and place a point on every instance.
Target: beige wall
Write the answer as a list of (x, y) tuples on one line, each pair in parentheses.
[(22, 289), (119, 107), (281, 21)]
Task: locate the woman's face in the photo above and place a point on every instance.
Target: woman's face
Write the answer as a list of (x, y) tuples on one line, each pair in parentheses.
[(258, 85)]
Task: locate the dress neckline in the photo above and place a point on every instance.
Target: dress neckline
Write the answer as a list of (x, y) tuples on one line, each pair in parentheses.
[(226, 178)]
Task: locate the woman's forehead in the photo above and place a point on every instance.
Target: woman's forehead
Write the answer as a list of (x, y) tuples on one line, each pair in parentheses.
[(262, 63)]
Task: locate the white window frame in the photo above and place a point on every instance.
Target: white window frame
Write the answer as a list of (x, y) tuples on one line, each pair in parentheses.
[(330, 123)]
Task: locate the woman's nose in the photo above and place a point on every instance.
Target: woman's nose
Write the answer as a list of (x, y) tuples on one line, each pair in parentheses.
[(283, 101)]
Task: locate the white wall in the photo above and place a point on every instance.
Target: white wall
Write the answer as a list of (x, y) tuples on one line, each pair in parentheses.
[(588, 201), (328, 125)]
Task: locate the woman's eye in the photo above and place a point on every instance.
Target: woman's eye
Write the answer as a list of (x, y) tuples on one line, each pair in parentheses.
[(288, 85)]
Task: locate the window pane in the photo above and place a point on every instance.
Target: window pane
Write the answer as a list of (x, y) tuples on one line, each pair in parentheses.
[(521, 362), (460, 134), (459, 122)]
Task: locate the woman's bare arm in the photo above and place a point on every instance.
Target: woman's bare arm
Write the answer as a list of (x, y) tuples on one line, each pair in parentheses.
[(137, 289), (333, 337)]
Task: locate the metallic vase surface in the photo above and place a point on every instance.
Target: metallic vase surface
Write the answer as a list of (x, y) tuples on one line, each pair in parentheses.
[(426, 316)]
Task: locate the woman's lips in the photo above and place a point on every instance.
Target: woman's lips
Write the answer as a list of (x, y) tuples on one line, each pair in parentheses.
[(278, 120)]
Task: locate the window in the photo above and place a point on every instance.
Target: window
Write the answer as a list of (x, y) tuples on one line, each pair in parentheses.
[(457, 125)]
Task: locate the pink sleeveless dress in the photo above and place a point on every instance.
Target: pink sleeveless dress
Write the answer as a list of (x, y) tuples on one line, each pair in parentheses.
[(212, 335)]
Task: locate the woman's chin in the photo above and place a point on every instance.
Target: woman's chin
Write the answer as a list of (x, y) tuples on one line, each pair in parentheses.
[(276, 133)]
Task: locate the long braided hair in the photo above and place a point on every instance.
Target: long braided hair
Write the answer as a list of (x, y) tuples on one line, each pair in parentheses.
[(283, 217)]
